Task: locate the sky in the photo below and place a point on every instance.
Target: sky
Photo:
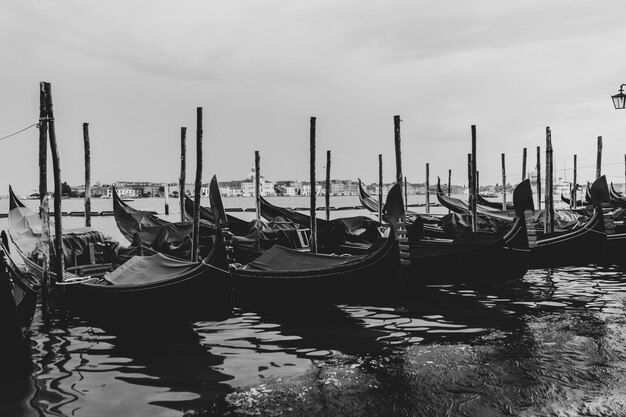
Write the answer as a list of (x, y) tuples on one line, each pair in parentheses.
[(136, 71)]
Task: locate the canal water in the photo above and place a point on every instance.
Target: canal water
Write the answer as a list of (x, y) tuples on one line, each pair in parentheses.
[(551, 344)]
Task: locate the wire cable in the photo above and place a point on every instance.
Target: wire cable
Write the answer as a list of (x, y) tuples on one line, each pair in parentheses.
[(19, 131)]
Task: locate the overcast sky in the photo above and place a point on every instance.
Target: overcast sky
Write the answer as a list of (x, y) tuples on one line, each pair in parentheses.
[(137, 70)]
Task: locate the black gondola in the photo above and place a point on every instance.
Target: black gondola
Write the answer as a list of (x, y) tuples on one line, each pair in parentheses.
[(576, 243), (472, 257), (292, 276), (106, 279)]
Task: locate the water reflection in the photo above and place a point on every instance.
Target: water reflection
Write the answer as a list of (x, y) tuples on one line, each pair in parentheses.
[(550, 344)]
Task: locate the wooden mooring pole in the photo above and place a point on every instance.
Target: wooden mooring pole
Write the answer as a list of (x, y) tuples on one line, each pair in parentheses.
[(574, 194), (401, 232), (195, 247), (549, 225), (503, 183), (539, 177), (257, 184), (599, 158), (313, 240), (166, 197), (427, 188), (406, 200), (449, 181), (474, 191), (43, 143), (327, 194), (380, 187), (524, 156), (87, 175), (56, 166), (183, 173)]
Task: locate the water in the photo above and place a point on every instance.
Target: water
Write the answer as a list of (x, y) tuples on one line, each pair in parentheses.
[(551, 344)]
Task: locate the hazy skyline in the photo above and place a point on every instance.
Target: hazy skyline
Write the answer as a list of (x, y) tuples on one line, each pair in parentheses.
[(137, 71)]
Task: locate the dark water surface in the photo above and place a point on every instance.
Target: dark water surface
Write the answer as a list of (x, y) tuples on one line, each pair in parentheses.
[(550, 344)]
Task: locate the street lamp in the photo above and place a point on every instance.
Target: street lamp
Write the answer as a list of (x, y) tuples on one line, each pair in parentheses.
[(619, 99)]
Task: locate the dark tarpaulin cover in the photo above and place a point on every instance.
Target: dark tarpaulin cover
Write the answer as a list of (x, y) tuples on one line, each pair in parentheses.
[(160, 235), (151, 269), (279, 258)]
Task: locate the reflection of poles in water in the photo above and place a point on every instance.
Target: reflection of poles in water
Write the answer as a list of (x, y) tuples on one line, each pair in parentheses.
[(551, 284)]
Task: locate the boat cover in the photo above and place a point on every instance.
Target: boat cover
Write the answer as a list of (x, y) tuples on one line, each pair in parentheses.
[(151, 269), (279, 258)]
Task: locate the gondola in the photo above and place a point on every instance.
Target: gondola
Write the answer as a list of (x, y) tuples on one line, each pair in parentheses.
[(104, 279), (18, 294), (492, 204), (568, 201), (616, 198), (432, 227), (575, 243), (475, 258), (253, 237), (157, 235), (291, 276), (332, 234), (614, 222)]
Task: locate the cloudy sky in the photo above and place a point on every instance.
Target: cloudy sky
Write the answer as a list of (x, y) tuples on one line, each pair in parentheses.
[(137, 70)]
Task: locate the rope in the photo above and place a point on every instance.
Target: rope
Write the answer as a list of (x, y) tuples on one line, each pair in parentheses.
[(19, 131)]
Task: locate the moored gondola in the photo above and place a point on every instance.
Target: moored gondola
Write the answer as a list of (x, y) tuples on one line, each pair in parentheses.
[(577, 240), (104, 279), (476, 258), (292, 276), (18, 291)]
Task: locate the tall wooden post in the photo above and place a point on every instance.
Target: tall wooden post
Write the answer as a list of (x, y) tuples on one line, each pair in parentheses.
[(380, 187), (539, 177), (427, 188), (398, 149), (313, 240), (474, 192), (56, 166), (549, 225), (87, 175), (470, 178), (503, 183), (195, 247), (574, 194), (599, 159), (183, 172), (166, 197), (327, 195), (43, 144), (524, 157), (406, 199), (449, 181), (257, 184)]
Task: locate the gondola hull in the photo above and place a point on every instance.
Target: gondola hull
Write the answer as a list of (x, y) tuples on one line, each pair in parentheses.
[(493, 261), (377, 273), (578, 247)]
